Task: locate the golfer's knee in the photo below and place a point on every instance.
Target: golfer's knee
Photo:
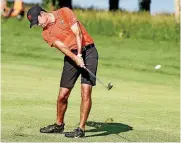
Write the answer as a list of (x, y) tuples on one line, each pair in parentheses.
[(63, 95), (62, 99), (86, 92)]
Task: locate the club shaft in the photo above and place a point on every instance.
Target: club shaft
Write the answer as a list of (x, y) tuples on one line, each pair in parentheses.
[(95, 77)]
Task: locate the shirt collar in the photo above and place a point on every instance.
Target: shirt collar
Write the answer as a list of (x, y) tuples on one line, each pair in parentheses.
[(56, 15)]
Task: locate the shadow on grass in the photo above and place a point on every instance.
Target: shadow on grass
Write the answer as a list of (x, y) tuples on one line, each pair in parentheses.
[(107, 128)]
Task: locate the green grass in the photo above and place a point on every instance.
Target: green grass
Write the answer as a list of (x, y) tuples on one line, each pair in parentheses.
[(142, 98), (131, 25)]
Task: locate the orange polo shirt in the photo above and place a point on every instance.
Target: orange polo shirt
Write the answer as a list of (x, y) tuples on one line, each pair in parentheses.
[(61, 30)]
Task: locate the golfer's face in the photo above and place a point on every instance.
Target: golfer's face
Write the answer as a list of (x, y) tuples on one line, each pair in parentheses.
[(42, 20)]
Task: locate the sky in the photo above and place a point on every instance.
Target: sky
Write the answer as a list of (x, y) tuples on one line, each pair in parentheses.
[(131, 5)]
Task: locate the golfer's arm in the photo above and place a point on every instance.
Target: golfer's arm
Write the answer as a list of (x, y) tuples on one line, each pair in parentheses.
[(78, 34), (60, 46)]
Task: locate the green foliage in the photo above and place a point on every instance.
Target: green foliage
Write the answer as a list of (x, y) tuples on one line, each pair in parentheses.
[(131, 25), (46, 4)]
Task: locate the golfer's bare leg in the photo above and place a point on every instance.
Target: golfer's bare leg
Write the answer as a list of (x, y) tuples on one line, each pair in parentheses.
[(62, 103), (86, 104)]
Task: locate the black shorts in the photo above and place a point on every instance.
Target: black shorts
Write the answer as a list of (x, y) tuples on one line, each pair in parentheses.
[(71, 71)]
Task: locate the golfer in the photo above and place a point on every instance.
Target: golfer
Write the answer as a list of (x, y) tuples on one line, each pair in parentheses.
[(62, 30)]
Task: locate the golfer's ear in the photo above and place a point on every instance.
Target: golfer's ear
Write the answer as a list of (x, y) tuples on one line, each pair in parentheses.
[(42, 13)]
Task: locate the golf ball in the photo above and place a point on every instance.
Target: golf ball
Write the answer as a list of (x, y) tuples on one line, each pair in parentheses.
[(157, 67)]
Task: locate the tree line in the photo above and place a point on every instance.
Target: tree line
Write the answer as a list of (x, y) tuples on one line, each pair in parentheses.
[(144, 5)]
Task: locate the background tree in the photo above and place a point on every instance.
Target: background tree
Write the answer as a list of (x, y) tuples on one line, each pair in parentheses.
[(65, 3), (55, 4), (144, 5), (45, 3), (113, 5), (62, 3)]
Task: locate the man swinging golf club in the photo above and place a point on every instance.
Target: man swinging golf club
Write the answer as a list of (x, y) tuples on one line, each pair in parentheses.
[(62, 30)]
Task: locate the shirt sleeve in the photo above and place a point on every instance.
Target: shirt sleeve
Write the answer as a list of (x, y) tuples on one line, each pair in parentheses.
[(69, 16), (49, 39)]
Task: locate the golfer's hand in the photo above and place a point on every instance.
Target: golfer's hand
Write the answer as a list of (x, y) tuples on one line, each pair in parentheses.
[(79, 61)]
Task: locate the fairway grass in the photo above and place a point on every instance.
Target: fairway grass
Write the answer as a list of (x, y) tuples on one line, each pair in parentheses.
[(144, 103), (29, 102)]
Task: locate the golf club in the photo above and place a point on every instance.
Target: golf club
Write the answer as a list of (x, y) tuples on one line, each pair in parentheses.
[(108, 87)]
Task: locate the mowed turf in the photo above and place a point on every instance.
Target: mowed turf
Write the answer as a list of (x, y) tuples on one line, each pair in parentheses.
[(144, 102)]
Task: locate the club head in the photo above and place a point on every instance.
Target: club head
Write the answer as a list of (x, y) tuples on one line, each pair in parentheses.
[(109, 86)]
